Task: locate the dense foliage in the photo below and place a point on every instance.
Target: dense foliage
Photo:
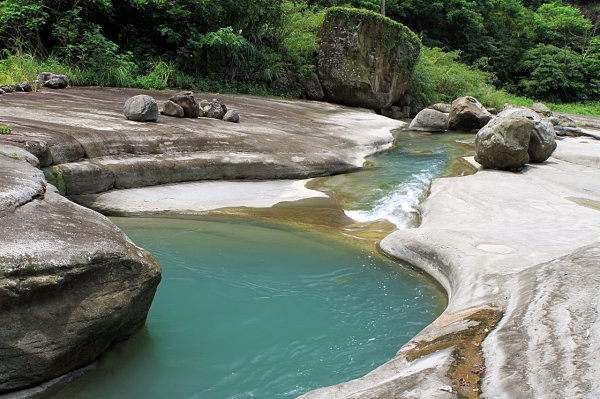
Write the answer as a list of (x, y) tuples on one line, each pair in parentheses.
[(547, 50)]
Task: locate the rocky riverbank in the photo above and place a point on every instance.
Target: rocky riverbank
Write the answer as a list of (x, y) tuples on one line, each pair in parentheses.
[(519, 256), (518, 253), (70, 282)]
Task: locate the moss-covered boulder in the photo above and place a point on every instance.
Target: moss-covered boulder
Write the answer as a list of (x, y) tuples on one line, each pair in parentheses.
[(365, 59)]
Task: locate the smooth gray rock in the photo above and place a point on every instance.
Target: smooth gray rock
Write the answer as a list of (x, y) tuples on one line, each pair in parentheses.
[(188, 103), (441, 107), (215, 109), (231, 116), (467, 114), (543, 137), (172, 109), (71, 283), (19, 153), (503, 143), (541, 109), (430, 120), (141, 108)]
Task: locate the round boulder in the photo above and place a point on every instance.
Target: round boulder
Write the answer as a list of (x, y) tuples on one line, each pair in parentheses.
[(186, 100), (141, 108), (231, 116), (542, 142), (430, 120), (467, 114), (503, 143)]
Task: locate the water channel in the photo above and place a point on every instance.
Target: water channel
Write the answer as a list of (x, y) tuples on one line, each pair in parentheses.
[(254, 309)]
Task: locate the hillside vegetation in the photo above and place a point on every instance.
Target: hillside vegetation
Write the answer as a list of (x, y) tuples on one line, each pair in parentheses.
[(544, 50)]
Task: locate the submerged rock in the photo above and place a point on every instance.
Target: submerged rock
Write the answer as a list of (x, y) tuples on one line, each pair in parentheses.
[(71, 283), (467, 114), (141, 108), (365, 59)]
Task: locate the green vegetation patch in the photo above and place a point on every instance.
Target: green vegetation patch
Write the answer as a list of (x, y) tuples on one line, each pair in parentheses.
[(55, 176), (4, 129), (358, 15)]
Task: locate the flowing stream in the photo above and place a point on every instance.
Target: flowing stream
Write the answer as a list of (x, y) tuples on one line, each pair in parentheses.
[(250, 309)]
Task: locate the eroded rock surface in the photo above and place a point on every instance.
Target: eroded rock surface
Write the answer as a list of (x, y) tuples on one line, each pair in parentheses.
[(90, 148), (71, 283), (519, 256)]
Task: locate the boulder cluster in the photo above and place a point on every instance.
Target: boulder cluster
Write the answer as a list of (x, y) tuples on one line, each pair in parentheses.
[(507, 140), (44, 79), (144, 108)]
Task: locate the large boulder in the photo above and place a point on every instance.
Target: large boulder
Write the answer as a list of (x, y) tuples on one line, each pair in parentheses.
[(516, 136), (430, 120), (365, 59), (141, 108), (542, 141), (186, 100), (502, 143), (71, 283), (467, 114)]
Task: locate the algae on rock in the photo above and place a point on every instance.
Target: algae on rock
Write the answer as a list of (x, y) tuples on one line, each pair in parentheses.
[(365, 59)]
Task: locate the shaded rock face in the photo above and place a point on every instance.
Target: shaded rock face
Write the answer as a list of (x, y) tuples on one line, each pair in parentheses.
[(515, 137), (312, 87), (365, 59), (430, 120), (467, 114), (141, 108), (69, 286), (502, 144), (52, 80), (186, 100)]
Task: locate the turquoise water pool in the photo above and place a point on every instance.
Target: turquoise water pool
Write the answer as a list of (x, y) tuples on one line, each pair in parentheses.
[(248, 310)]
